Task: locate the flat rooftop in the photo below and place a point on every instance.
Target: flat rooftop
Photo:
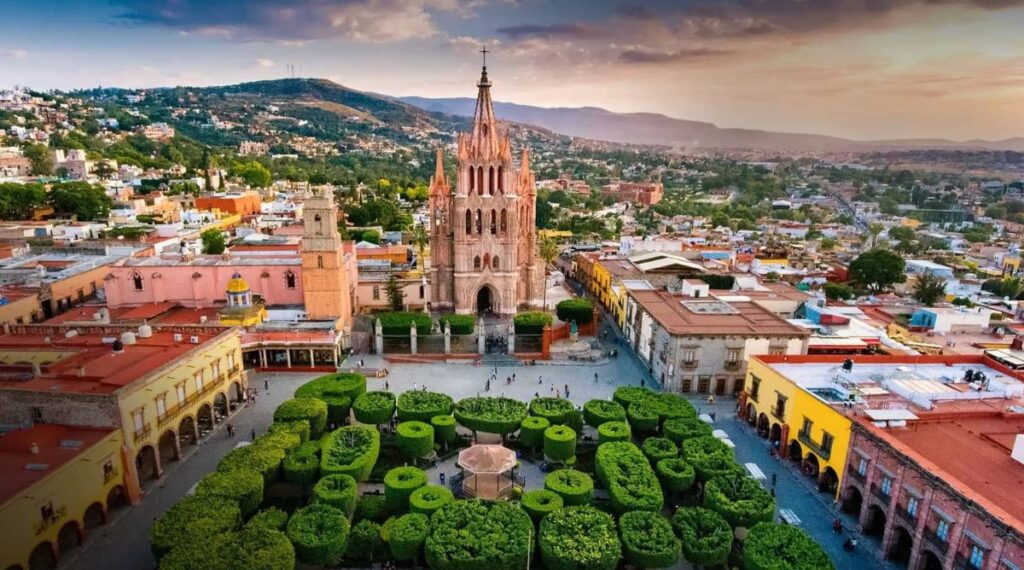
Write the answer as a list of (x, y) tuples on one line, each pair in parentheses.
[(684, 315), (58, 445), (208, 261)]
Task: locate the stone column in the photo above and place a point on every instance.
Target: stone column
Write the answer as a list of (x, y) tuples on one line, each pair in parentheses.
[(447, 338), (924, 506), (412, 339), (378, 337), (481, 338), (263, 358), (288, 357), (511, 341), (312, 359)]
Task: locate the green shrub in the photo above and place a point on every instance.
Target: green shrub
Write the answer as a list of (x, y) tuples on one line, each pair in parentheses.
[(574, 421), (682, 429), (559, 443), (407, 536), (671, 406), (631, 483), (351, 450), (319, 533), (399, 483), (460, 324), (642, 417), (340, 385), (339, 491), (299, 428), (706, 537), (429, 498), (648, 540), (213, 551), (771, 546), (262, 549), (531, 322), (415, 439), (490, 415), (338, 407), (579, 538), (271, 519), (710, 457), (282, 437), (540, 502), (312, 410), (555, 410), (577, 309), (531, 431), (191, 519), (613, 431), (444, 429), (302, 465), (467, 535), (575, 487), (371, 508), (626, 395), (597, 412), (397, 323), (374, 408), (740, 500), (675, 474), (365, 545), (421, 406), (658, 448), (243, 487), (262, 459)]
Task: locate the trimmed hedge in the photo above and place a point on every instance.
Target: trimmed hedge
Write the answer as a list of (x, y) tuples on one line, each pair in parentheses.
[(706, 537), (531, 322), (341, 384), (460, 324), (429, 498), (407, 535), (710, 457), (312, 410), (740, 500), (648, 540), (339, 491), (597, 412), (684, 428), (338, 407), (243, 487), (371, 508), (444, 429), (474, 534), (210, 551), (421, 406), (374, 408), (578, 309), (262, 459), (319, 533), (351, 450), (540, 502), (191, 520), (613, 431), (575, 487), (631, 483), (675, 474), (658, 448), (415, 439), (365, 545), (642, 417), (560, 443), (262, 549), (283, 437), (555, 410), (302, 465), (626, 395), (298, 427), (531, 431), (399, 483), (397, 323), (271, 519), (770, 546), (579, 538), (672, 406), (490, 415)]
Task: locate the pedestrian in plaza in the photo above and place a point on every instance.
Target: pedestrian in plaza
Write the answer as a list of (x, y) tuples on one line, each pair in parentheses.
[(540, 379), (558, 393), (253, 434), (487, 385), (385, 385), (536, 394), (231, 430), (775, 479), (595, 378), (551, 388), (415, 386), (772, 492), (642, 382), (513, 376), (361, 363), (266, 384), (442, 477), (567, 391), (711, 399)]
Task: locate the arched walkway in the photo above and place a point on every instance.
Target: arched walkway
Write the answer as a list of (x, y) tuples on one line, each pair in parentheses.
[(828, 482), (94, 516), (853, 501), (902, 545), (220, 407), (929, 561), (485, 301), (188, 435), (69, 537), (204, 419), (147, 464), (775, 434), (810, 466), (762, 425), (117, 498), (751, 414), (168, 445), (236, 392), (875, 524), (796, 453), (43, 557)]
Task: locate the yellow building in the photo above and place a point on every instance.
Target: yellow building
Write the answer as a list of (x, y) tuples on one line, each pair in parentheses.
[(242, 310), (41, 286)]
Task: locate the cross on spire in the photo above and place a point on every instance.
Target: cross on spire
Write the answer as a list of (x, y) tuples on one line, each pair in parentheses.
[(485, 51)]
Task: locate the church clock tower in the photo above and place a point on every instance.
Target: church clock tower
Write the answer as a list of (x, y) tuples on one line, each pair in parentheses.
[(325, 280)]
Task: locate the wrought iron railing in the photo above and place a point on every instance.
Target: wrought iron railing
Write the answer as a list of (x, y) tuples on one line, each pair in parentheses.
[(143, 432), (940, 544), (813, 445), (882, 496)]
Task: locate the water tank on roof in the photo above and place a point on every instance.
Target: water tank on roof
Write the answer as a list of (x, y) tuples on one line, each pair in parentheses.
[(145, 331), (127, 337)]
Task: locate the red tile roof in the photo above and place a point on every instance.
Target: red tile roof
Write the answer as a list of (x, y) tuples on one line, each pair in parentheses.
[(15, 454)]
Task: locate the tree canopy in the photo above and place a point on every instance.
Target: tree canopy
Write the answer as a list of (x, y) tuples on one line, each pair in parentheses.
[(878, 269)]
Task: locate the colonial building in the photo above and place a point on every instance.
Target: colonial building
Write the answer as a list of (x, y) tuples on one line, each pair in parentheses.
[(483, 232), (328, 290)]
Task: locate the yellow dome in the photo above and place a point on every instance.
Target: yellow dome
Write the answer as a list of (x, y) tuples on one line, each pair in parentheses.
[(237, 284)]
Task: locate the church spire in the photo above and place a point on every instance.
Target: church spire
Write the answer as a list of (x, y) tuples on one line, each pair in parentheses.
[(438, 183), (485, 132)]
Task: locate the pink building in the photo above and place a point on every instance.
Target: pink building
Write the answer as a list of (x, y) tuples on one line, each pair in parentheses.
[(202, 281)]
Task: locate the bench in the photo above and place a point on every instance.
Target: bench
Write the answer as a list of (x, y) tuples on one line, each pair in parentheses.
[(789, 517)]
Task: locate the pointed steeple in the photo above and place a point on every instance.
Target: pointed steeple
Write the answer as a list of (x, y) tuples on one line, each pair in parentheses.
[(485, 140), (438, 182)]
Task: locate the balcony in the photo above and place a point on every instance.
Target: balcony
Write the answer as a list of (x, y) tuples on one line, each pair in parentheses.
[(935, 540), (143, 432), (779, 412), (753, 396), (234, 370), (170, 414), (961, 562), (689, 364), (108, 476), (851, 470), (733, 365), (813, 445), (906, 515), (877, 492)]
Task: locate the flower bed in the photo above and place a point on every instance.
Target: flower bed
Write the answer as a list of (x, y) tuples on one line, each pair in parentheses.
[(339, 491), (631, 483), (415, 439), (613, 431), (374, 408), (429, 498), (319, 533), (574, 487), (706, 536), (399, 483), (421, 406), (466, 535), (540, 502), (351, 450), (579, 538), (555, 410), (740, 500), (559, 443), (597, 412), (490, 415), (648, 540), (772, 546), (312, 410)]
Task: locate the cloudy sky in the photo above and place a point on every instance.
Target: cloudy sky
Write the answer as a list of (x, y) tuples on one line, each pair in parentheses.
[(857, 68)]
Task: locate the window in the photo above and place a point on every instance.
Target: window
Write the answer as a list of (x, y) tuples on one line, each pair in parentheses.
[(912, 504), (689, 358), (494, 222), (216, 368), (886, 486), (476, 263), (703, 384), (376, 292), (198, 378), (180, 389), (480, 180), (755, 387), (231, 360), (780, 406), (826, 442), (504, 220), (479, 222), (137, 419), (501, 179), (732, 358), (977, 558), (319, 262), (37, 415), (806, 429), (469, 221), (137, 280), (862, 466), (494, 263), (942, 529), (472, 180), (490, 181), (161, 405), (289, 280), (421, 291)]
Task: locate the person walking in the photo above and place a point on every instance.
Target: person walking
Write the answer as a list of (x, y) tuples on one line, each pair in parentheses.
[(642, 382), (711, 399), (540, 379), (595, 378), (558, 393), (775, 479), (266, 384), (513, 376), (253, 434), (231, 430), (415, 386), (385, 385)]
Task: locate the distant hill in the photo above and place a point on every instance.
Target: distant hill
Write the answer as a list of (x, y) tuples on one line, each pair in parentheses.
[(657, 129)]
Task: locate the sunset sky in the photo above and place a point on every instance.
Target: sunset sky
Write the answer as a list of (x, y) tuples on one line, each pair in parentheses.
[(856, 68)]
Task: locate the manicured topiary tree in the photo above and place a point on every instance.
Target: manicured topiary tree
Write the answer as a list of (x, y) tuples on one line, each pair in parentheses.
[(642, 417), (415, 439), (710, 457), (626, 395), (351, 450), (540, 502), (312, 410), (262, 459), (740, 500), (575, 487), (672, 406), (284, 437), (191, 519), (337, 390), (490, 415), (658, 448), (301, 466), (208, 551), (444, 429), (374, 408), (364, 543), (531, 432), (531, 322), (407, 535), (492, 535), (559, 443), (597, 412), (262, 548), (648, 540), (706, 537), (429, 498), (298, 427), (684, 428), (675, 474), (770, 546), (554, 410), (613, 431), (631, 483), (399, 483), (272, 518), (339, 491), (319, 533), (578, 309), (578, 538), (371, 508), (240, 486), (421, 406)]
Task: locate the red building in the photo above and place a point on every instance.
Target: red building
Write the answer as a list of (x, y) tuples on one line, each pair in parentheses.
[(646, 193)]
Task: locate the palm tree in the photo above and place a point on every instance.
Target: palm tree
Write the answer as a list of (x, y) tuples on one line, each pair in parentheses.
[(548, 252), (420, 239)]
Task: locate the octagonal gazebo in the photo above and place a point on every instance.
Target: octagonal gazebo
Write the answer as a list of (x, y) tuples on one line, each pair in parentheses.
[(487, 471)]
